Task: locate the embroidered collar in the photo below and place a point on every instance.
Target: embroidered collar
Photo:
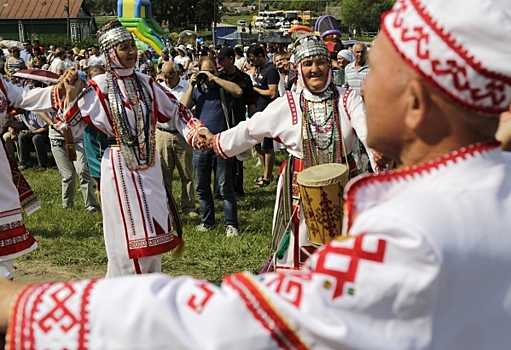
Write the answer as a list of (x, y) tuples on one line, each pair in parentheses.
[(405, 173), (325, 95)]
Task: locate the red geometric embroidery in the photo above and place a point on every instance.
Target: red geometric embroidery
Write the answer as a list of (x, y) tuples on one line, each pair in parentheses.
[(60, 314), (420, 37), (489, 87), (290, 285), (198, 303), (356, 253)]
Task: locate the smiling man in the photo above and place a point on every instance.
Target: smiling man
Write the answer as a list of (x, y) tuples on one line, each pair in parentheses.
[(356, 72)]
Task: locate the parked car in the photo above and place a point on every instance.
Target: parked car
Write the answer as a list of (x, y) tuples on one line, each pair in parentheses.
[(271, 23), (241, 22)]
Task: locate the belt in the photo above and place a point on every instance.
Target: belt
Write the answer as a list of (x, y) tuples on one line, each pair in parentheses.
[(169, 131)]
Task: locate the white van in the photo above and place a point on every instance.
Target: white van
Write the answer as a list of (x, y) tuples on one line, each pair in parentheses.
[(259, 22)]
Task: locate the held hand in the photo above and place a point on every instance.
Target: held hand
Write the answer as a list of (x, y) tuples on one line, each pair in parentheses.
[(211, 77), (72, 83), (203, 139)]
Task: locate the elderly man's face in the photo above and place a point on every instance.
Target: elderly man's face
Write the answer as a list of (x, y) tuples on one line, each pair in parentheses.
[(385, 99), (170, 76), (360, 53)]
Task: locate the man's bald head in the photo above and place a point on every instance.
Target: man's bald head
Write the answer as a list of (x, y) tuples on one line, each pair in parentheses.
[(170, 73)]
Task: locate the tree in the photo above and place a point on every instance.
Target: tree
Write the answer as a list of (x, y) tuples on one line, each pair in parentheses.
[(183, 14), (364, 14)]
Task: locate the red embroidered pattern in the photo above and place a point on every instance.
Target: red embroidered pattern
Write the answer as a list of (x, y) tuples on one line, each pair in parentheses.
[(487, 90), (197, 302), (292, 107), (290, 285), (58, 308), (356, 253), (217, 148), (258, 305), (409, 172), (345, 96)]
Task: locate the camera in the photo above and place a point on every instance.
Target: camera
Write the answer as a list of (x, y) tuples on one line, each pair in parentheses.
[(202, 78)]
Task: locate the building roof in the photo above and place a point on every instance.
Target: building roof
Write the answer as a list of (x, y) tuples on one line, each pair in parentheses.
[(38, 9), (233, 4)]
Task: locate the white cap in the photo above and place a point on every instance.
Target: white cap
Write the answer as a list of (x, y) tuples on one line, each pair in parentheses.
[(457, 46), (182, 48)]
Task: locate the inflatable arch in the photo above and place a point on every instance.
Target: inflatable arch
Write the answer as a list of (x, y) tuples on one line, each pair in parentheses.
[(136, 16)]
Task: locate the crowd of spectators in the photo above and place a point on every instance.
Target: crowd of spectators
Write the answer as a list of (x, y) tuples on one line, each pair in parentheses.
[(262, 71)]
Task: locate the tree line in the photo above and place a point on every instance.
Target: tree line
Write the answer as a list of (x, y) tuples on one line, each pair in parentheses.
[(181, 14)]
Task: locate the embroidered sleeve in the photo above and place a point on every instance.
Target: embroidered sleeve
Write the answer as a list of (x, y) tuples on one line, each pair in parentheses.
[(360, 292), (168, 107), (271, 123), (87, 103), (40, 99)]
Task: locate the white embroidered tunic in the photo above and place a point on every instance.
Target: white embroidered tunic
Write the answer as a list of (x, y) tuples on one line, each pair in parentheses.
[(15, 240), (426, 267)]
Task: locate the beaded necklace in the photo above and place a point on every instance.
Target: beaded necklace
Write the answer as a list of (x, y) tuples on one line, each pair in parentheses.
[(321, 129), (137, 142)]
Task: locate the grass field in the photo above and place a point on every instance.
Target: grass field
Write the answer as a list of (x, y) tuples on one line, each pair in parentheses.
[(71, 240)]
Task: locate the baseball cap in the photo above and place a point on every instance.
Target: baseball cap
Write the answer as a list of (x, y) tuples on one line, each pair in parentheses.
[(226, 52)]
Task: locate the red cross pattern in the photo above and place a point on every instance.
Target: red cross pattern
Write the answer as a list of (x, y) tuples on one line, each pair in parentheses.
[(60, 314), (354, 254)]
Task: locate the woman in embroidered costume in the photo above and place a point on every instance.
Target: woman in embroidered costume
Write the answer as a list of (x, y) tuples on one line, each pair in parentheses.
[(323, 129), (15, 240), (125, 105)]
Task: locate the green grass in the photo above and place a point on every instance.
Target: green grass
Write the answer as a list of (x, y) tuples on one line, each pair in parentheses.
[(71, 240)]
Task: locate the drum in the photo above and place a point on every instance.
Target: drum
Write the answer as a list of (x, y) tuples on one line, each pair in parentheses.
[(321, 190)]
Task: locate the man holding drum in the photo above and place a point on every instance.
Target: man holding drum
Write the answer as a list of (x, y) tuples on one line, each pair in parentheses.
[(427, 260)]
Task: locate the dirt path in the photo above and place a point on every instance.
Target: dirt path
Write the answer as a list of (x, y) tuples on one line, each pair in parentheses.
[(36, 272)]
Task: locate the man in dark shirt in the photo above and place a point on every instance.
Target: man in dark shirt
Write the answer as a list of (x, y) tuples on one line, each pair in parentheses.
[(208, 107), (266, 84), (245, 105)]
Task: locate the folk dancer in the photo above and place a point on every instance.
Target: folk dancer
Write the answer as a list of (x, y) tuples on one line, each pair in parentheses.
[(125, 105), (15, 240), (317, 125)]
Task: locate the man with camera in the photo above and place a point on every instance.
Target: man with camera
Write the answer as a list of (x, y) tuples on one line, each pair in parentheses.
[(212, 98), (174, 151), (240, 106)]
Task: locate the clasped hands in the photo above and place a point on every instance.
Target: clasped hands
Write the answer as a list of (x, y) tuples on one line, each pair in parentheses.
[(71, 83), (204, 139)]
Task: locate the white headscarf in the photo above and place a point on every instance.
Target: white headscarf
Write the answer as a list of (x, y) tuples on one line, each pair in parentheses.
[(347, 54)]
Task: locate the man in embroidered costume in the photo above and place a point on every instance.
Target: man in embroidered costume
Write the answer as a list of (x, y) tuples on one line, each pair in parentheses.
[(125, 105), (15, 240), (427, 262)]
